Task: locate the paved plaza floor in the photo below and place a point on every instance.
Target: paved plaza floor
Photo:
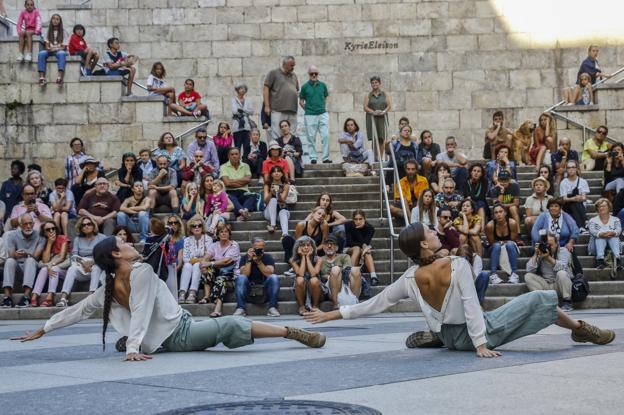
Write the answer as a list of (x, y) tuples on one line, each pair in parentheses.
[(364, 362)]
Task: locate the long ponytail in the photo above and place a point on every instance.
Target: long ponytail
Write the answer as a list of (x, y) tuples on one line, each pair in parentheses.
[(103, 257), (108, 300)]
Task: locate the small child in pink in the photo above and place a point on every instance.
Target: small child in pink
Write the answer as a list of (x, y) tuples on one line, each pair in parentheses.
[(28, 25), (216, 206)]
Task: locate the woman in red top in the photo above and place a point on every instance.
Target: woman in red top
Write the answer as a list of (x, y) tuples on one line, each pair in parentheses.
[(223, 140), (54, 264), (78, 46), (544, 138), (275, 159), (189, 101)]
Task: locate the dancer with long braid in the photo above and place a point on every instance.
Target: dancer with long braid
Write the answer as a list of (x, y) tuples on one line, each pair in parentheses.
[(151, 317), (444, 289)]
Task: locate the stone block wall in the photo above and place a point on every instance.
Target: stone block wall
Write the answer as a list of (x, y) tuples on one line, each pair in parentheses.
[(448, 64)]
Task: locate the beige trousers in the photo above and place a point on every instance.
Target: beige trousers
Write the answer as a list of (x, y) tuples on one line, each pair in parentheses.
[(562, 284)]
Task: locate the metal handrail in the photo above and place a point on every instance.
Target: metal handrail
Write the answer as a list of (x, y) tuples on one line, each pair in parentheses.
[(177, 137)]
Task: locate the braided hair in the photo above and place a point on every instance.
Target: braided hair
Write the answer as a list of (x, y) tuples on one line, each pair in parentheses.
[(102, 255)]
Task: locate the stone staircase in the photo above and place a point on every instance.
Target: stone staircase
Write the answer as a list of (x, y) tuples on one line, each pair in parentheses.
[(363, 192)]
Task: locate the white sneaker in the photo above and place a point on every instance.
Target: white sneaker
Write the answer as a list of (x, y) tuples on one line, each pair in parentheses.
[(20, 57), (272, 312), (495, 279), (28, 57), (289, 273), (514, 278), (240, 312)]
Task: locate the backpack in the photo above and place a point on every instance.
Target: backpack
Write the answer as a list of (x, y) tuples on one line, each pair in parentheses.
[(155, 254), (580, 288)]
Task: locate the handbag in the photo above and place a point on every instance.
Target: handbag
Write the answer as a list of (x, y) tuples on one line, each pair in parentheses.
[(580, 288), (291, 198)]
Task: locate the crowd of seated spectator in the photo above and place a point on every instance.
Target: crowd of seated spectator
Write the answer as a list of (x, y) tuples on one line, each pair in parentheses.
[(475, 207)]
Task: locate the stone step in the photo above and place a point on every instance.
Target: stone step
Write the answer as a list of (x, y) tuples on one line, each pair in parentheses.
[(290, 307)]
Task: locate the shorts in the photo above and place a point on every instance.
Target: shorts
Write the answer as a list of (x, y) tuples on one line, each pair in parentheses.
[(163, 199), (81, 53)]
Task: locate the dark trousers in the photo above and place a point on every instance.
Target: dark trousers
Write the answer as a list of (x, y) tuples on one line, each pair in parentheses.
[(240, 137), (577, 211), (242, 200), (255, 166)]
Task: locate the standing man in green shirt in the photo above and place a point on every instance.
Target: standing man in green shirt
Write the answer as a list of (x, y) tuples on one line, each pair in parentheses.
[(312, 99)]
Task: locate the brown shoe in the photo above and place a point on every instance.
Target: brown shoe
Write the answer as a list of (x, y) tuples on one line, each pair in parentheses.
[(423, 339), (309, 338), (592, 334)]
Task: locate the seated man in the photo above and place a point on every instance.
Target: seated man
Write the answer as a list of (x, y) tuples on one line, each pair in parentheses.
[(455, 160), (134, 212), (449, 198), (501, 162), (412, 185), (560, 157), (447, 234), (101, 206), (596, 150), (236, 177), (39, 211), (207, 147), (24, 248), (162, 186), (549, 269), (508, 194), (496, 135), (254, 153), (336, 269), (117, 63), (257, 268)]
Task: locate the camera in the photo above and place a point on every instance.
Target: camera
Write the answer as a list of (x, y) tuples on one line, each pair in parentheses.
[(258, 252), (613, 154), (542, 245), (168, 230), (240, 117)]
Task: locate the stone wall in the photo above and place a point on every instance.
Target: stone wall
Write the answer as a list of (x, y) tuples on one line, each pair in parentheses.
[(447, 64)]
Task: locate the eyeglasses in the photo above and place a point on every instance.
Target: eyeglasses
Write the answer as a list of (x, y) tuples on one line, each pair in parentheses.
[(173, 222), (445, 217), (102, 184), (196, 226), (570, 167), (27, 224), (601, 132), (49, 230), (85, 224)]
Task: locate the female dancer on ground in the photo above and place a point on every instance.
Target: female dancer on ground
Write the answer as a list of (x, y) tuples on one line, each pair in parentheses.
[(445, 290), (151, 317)]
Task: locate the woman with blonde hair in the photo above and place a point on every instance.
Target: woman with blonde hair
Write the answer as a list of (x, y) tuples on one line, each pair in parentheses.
[(195, 249), (605, 229)]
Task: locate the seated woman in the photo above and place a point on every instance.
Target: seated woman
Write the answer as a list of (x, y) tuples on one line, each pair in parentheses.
[(441, 172), (223, 140), (86, 179), (168, 147), (128, 174), (501, 233), (134, 211), (292, 149), (156, 85), (42, 192), (468, 224), (614, 171), (352, 144), (139, 306), (445, 290), (582, 93), (55, 44), (275, 193), (544, 138), (54, 263), (194, 252), (574, 190), (536, 204), (220, 267), (82, 266), (359, 234), (605, 229), (307, 268), (124, 234), (427, 152), (546, 172), (173, 247), (316, 228), (425, 210), (62, 205), (476, 187), (335, 220)]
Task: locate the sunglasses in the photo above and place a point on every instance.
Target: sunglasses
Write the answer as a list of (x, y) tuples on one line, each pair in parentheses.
[(85, 224), (173, 222), (196, 226), (29, 194), (601, 132), (313, 74), (49, 230)]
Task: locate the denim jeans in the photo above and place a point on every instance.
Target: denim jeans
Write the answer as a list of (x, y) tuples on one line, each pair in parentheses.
[(43, 57), (511, 252), (242, 200), (481, 284), (243, 286), (601, 245), (123, 219), (317, 124)]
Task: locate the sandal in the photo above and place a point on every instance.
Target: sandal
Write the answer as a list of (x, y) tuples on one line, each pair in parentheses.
[(59, 81), (42, 81), (215, 314), (47, 303), (302, 310), (271, 228), (191, 299), (204, 300)]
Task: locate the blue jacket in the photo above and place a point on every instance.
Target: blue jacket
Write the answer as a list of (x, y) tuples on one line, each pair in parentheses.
[(568, 231)]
